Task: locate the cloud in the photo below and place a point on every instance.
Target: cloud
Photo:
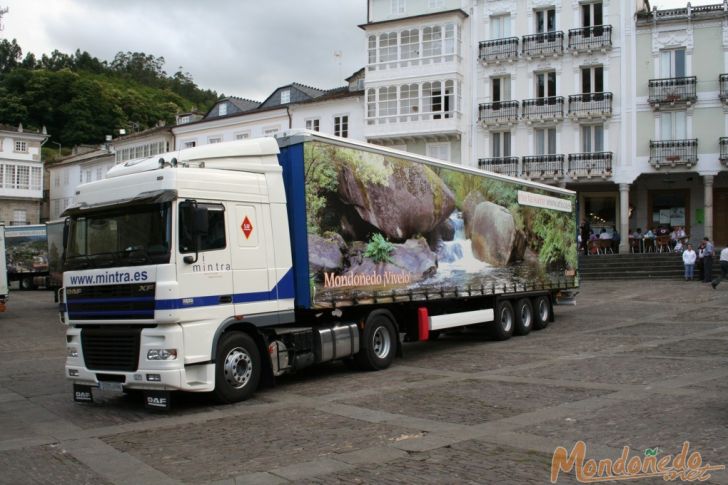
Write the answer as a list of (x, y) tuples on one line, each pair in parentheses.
[(244, 48)]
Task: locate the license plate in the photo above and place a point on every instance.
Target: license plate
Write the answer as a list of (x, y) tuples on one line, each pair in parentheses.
[(110, 386)]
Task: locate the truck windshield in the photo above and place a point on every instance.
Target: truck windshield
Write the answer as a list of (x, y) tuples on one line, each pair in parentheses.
[(131, 236)]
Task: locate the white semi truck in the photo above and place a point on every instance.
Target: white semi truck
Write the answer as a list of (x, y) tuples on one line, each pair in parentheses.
[(217, 268), (3, 272)]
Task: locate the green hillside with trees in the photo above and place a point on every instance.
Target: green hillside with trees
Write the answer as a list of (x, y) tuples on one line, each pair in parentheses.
[(81, 99)]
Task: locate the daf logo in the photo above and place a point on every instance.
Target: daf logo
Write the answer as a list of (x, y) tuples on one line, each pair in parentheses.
[(73, 291), (145, 287), (157, 401)]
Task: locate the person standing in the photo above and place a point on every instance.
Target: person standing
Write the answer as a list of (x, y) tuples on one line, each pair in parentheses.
[(689, 257), (701, 266), (615, 240), (585, 230), (708, 261), (723, 267)]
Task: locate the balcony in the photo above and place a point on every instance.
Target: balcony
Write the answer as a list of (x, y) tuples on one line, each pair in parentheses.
[(724, 150), (502, 165), (590, 39), (498, 113), (672, 91), (498, 50), (545, 44), (543, 109), (543, 167), (723, 81), (590, 105), (673, 153), (588, 165)]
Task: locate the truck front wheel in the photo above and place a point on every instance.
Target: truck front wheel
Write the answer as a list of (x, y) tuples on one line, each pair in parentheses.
[(379, 344), (237, 367)]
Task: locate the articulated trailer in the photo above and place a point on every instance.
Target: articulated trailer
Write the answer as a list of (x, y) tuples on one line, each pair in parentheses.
[(216, 268), (3, 274)]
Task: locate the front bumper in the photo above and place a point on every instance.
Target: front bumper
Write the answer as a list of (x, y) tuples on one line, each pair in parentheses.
[(194, 378)]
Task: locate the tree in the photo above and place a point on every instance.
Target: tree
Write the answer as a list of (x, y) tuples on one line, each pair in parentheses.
[(10, 54)]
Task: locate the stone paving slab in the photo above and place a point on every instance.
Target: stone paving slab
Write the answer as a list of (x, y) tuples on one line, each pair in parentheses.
[(42, 465)]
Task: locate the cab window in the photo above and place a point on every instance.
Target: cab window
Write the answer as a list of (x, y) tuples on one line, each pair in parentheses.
[(215, 237)]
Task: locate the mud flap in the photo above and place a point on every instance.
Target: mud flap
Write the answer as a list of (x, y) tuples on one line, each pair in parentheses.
[(159, 400), (82, 393)]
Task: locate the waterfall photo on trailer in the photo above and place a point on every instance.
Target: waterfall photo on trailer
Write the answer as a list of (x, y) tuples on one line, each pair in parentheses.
[(386, 226)]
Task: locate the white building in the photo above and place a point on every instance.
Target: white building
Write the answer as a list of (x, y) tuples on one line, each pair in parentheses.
[(21, 175), (85, 164)]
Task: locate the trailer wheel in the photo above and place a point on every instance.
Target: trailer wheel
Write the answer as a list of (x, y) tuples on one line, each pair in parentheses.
[(524, 316), (542, 311), (26, 283), (378, 344), (504, 321), (237, 369)]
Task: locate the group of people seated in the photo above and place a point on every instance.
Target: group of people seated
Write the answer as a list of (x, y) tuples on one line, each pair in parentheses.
[(662, 238), (591, 243)]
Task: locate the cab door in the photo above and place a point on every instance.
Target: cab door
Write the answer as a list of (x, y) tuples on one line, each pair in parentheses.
[(252, 260)]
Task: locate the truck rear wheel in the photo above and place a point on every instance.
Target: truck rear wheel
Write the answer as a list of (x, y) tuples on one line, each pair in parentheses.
[(27, 283), (504, 321), (524, 316), (378, 343), (542, 312), (237, 367)]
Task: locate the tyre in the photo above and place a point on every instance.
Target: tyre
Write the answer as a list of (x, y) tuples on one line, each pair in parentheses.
[(26, 283), (504, 321), (542, 312), (238, 367), (524, 316), (434, 335), (378, 343)]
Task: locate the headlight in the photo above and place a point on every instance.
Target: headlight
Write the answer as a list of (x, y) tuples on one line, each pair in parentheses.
[(162, 354), (71, 352)]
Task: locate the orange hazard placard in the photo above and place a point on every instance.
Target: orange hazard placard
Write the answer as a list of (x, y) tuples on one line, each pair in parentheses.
[(247, 227)]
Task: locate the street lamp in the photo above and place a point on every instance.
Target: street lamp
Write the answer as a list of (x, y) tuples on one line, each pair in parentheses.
[(59, 147)]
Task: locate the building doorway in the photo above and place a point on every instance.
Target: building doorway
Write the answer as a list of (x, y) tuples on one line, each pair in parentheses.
[(601, 211), (668, 208), (720, 216)]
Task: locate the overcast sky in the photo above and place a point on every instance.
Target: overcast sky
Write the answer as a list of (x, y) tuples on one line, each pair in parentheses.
[(243, 48)]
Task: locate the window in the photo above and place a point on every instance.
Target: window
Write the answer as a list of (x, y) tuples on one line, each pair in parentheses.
[(673, 125), (501, 88), (397, 6), (21, 146), (222, 109), (56, 208), (10, 181), (285, 96), (2, 175), (214, 139), (270, 131), (388, 47), (242, 136), (99, 173), (500, 26), (545, 139), (66, 176), (189, 144), (36, 178), (372, 49), (183, 119), (441, 151), (88, 175), (387, 101), (313, 124), (57, 180), (450, 39), (591, 14), (501, 144), (410, 44), (592, 138), (341, 126), (592, 79), (545, 84), (432, 41), (215, 237), (409, 100), (20, 217), (23, 175), (672, 63), (545, 20)]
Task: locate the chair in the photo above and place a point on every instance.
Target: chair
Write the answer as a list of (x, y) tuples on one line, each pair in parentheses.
[(634, 245), (605, 245), (663, 243), (593, 247), (649, 244)]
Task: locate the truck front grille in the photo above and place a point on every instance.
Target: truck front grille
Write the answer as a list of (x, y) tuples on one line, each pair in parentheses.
[(111, 302), (111, 348)]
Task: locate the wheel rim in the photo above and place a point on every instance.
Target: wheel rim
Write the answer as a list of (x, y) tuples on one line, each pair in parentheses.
[(381, 342), (506, 320), (543, 310), (238, 367), (526, 316)]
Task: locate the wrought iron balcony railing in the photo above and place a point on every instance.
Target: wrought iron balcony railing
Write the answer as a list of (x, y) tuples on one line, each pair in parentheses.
[(502, 165), (673, 90), (673, 153), (544, 44), (724, 150), (723, 82), (498, 112), (498, 50), (543, 167), (588, 165), (543, 109), (586, 39), (590, 105)]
